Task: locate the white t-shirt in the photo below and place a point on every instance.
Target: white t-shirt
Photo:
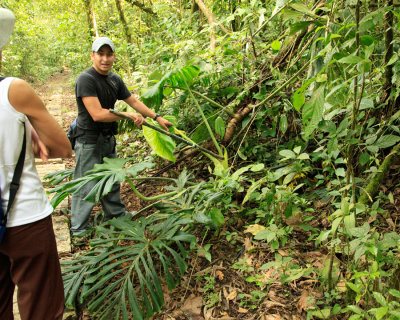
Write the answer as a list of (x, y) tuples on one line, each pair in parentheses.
[(31, 203)]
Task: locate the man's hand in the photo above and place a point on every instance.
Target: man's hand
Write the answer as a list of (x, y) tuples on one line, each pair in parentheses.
[(38, 147), (164, 123), (137, 118)]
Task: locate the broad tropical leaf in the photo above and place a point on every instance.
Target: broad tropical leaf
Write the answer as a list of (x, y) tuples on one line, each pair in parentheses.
[(161, 144), (154, 96), (107, 173), (120, 277)]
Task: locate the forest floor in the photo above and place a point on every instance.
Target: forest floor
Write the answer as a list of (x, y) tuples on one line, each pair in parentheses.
[(208, 290), (227, 288)]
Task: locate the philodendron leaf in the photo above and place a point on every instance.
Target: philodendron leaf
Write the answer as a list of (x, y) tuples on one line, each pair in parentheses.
[(139, 167), (115, 166), (109, 164), (175, 78), (162, 144), (110, 172)]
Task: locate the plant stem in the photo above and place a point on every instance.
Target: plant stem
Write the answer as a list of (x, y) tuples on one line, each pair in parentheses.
[(229, 112), (204, 118), (141, 196), (350, 148)]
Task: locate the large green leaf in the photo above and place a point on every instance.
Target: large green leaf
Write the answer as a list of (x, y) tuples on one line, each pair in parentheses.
[(106, 173), (175, 78), (162, 144), (120, 277)]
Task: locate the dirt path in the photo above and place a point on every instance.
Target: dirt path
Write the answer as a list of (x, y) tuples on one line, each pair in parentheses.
[(58, 96)]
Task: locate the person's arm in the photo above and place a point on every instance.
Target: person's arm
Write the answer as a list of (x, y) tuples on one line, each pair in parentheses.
[(140, 107), (99, 114), (24, 99)]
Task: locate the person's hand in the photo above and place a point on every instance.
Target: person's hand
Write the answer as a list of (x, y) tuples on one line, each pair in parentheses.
[(137, 118), (38, 147), (164, 123)]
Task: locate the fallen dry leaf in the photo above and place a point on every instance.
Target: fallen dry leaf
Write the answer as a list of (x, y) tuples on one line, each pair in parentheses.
[(271, 304), (272, 317), (283, 253), (341, 286), (242, 310), (254, 229), (306, 301), (193, 305), (269, 275), (232, 295), (208, 313), (219, 275), (248, 245)]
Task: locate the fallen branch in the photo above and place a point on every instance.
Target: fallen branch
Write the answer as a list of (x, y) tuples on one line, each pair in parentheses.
[(210, 17), (141, 6), (233, 123)]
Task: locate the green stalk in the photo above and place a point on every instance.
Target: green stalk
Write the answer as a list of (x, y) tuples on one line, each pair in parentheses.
[(350, 148), (162, 179), (141, 196), (229, 112), (154, 178), (203, 117)]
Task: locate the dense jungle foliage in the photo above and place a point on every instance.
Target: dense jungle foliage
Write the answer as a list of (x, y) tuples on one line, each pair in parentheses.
[(295, 216)]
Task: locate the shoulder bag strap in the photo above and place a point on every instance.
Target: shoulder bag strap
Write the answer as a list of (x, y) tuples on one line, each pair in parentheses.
[(14, 186)]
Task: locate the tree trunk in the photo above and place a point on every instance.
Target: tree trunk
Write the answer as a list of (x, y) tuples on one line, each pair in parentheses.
[(127, 31), (210, 17), (90, 18), (233, 7), (179, 4), (387, 84)]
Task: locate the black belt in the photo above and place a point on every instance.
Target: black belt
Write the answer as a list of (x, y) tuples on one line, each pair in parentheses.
[(93, 138)]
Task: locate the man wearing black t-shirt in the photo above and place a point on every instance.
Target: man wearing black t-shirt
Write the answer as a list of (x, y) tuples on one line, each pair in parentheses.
[(97, 89)]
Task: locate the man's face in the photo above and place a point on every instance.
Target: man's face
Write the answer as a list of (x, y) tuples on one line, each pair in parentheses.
[(103, 60)]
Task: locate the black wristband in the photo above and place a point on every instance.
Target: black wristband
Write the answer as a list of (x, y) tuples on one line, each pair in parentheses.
[(156, 116)]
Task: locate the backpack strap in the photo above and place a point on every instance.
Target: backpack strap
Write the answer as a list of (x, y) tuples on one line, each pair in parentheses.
[(15, 182)]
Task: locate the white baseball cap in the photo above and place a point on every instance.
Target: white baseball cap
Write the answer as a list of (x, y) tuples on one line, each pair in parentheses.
[(101, 41), (7, 21)]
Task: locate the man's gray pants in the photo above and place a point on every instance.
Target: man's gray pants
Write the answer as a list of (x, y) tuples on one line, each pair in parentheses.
[(87, 155)]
